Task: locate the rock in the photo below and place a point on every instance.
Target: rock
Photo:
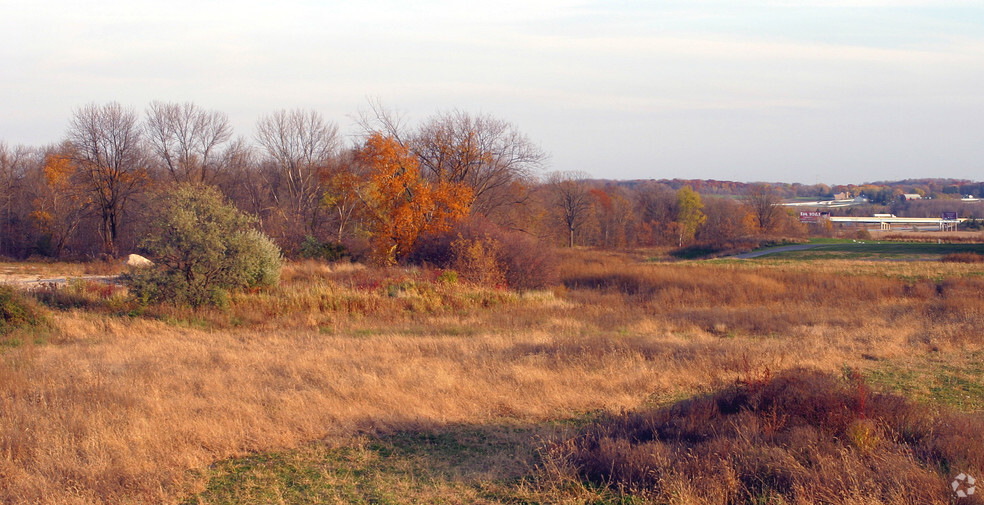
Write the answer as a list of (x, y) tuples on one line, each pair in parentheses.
[(137, 261)]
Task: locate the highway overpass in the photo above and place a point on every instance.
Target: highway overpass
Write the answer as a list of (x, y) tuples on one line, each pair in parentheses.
[(886, 222)]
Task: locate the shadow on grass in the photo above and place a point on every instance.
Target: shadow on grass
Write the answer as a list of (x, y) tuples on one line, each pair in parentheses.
[(798, 436), (451, 464)]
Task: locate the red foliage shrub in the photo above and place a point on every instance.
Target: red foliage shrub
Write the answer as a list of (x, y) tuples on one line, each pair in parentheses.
[(522, 260), (801, 436)]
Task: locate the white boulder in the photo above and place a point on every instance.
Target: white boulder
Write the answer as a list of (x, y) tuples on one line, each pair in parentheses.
[(137, 261)]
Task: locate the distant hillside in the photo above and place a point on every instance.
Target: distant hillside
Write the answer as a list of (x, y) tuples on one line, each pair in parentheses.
[(878, 192)]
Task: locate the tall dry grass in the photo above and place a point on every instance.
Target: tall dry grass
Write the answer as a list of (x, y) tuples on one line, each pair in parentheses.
[(119, 409), (900, 305), (948, 237)]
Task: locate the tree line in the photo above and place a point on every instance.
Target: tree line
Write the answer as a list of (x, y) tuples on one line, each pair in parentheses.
[(378, 194)]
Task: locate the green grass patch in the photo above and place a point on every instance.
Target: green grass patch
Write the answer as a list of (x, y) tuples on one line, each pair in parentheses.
[(451, 465), (954, 380), (864, 250), (455, 464)]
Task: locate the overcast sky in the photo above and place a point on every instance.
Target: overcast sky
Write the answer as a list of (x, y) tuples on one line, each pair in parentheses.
[(796, 91)]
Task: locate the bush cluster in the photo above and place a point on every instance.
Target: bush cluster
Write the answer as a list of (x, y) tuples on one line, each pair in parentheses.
[(17, 312), (202, 248), (312, 248), (478, 260), (485, 254)]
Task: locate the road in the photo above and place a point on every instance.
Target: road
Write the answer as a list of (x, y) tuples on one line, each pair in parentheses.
[(773, 250)]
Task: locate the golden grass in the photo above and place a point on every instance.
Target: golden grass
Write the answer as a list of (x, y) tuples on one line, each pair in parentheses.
[(119, 410)]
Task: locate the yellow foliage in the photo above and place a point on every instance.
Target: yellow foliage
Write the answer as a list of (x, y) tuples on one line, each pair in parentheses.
[(58, 171), (477, 260)]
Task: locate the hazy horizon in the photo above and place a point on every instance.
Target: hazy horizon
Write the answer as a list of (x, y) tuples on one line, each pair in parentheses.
[(781, 91)]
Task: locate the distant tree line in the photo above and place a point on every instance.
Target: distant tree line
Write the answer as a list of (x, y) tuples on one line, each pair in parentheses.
[(386, 196)]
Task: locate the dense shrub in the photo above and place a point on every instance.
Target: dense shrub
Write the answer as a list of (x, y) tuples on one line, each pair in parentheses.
[(17, 312), (708, 250), (528, 263), (202, 248), (800, 437), (478, 260), (312, 248), (488, 254), (972, 224), (434, 249)]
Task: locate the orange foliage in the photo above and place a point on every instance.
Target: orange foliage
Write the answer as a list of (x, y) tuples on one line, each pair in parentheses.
[(58, 171), (402, 204), (603, 199), (61, 192), (61, 203)]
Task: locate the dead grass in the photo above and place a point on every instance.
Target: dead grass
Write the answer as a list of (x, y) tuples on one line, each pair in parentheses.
[(120, 407), (968, 257), (948, 237), (799, 437)]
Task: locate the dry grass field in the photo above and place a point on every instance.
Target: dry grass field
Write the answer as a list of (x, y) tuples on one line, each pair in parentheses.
[(350, 384)]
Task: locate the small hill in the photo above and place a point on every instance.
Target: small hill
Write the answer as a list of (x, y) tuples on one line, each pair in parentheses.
[(801, 436)]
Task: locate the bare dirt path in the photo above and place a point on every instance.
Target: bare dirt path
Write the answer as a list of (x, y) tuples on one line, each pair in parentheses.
[(27, 282)]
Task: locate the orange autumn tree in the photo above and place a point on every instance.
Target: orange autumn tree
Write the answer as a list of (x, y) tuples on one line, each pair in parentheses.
[(401, 204)]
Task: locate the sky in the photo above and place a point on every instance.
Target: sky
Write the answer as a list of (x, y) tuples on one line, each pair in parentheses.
[(815, 91)]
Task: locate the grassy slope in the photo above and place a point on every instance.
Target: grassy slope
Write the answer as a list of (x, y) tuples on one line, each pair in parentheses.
[(420, 392)]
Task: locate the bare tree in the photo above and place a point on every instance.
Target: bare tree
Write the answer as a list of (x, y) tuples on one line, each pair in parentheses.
[(245, 182), (724, 221), (765, 206), (483, 152), (571, 199), (188, 140), (379, 118), (300, 144), (106, 146), (614, 214), (13, 162), (657, 204)]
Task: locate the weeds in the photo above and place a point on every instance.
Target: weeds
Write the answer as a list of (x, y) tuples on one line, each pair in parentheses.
[(18, 313)]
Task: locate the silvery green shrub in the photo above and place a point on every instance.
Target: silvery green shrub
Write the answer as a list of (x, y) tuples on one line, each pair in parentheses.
[(202, 248)]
